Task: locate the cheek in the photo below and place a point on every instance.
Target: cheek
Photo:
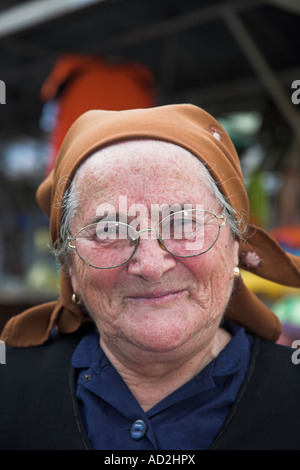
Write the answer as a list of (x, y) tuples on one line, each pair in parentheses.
[(206, 267), (213, 271), (93, 284)]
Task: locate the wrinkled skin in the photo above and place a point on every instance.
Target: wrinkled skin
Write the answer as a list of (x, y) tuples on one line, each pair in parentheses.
[(158, 315)]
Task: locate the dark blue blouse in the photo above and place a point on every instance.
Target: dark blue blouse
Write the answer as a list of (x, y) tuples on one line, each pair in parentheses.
[(188, 419)]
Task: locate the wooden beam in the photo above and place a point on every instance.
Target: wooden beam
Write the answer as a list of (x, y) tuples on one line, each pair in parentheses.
[(262, 69), (32, 13)]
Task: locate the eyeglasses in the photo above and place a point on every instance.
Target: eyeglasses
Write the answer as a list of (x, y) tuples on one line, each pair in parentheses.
[(184, 234)]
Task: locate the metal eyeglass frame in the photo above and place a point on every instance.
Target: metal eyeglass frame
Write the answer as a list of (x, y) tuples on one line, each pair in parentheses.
[(137, 239)]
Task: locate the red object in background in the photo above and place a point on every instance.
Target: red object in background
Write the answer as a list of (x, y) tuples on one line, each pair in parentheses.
[(80, 83), (288, 236)]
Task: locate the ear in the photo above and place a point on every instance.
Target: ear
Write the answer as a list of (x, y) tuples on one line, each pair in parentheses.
[(236, 249)]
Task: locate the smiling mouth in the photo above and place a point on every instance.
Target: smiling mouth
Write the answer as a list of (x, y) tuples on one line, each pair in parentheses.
[(157, 297)]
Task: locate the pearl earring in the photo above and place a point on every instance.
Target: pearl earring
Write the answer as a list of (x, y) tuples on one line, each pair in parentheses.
[(236, 272), (75, 299)]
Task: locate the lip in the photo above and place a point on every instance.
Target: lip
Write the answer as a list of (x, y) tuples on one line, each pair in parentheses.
[(157, 297)]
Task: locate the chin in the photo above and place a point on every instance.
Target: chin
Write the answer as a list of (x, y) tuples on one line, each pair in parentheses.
[(161, 337)]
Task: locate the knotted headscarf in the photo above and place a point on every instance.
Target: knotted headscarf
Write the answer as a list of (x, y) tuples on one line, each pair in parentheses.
[(195, 130)]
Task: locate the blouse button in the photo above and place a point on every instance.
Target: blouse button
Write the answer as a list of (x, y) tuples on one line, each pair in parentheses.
[(138, 429), (86, 378)]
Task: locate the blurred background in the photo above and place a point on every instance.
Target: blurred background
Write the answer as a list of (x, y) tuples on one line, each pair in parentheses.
[(239, 59)]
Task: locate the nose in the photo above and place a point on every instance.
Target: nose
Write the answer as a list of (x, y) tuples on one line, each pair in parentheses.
[(150, 260)]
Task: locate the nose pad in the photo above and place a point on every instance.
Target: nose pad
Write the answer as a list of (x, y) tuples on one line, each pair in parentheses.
[(158, 238), (161, 243)]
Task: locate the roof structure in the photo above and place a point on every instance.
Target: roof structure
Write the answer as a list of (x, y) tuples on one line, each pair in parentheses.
[(220, 54)]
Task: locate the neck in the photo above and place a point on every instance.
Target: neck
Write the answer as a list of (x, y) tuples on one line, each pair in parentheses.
[(151, 379)]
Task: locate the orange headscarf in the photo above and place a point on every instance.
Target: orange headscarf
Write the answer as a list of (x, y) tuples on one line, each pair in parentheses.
[(195, 130)]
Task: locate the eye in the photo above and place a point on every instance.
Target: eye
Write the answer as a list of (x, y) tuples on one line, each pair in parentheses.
[(179, 225), (111, 230)]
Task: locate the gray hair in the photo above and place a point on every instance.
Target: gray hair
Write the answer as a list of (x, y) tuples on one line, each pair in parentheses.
[(71, 203)]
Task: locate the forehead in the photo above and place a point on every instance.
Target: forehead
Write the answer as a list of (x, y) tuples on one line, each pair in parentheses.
[(144, 171)]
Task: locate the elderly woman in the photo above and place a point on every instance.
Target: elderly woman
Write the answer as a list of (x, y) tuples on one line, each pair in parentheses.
[(155, 342)]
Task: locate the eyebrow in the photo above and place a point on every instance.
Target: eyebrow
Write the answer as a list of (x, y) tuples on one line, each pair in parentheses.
[(121, 216), (114, 216)]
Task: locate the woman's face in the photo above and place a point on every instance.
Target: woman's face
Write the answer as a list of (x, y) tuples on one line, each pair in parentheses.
[(156, 302)]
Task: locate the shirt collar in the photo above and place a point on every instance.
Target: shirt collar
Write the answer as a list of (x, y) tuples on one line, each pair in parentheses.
[(236, 353), (89, 354)]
